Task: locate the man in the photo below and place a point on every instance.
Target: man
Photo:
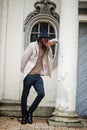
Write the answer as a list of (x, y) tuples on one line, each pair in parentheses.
[(36, 61)]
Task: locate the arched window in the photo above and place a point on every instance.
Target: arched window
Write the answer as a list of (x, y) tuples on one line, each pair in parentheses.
[(41, 27), (43, 18)]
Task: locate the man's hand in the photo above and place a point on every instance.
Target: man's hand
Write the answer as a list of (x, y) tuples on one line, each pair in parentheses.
[(50, 43)]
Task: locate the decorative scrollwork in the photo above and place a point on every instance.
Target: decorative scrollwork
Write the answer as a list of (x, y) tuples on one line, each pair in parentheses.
[(42, 7), (55, 14)]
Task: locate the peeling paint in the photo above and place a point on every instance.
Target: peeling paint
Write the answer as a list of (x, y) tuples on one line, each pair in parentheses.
[(62, 93)]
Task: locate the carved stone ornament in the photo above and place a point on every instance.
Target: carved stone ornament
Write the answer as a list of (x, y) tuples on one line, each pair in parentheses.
[(42, 7)]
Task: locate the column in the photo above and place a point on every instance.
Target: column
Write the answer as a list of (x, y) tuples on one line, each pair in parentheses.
[(67, 63), (3, 45), (13, 50)]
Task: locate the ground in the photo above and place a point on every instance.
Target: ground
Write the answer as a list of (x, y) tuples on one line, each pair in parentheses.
[(39, 123)]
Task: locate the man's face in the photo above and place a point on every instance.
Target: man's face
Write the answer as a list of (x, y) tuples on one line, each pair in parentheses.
[(44, 41)]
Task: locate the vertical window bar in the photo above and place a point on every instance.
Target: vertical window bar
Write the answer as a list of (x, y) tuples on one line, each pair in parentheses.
[(38, 29), (48, 30)]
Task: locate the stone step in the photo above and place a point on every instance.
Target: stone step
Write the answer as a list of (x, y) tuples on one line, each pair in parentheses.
[(10, 108), (13, 102), (13, 108)]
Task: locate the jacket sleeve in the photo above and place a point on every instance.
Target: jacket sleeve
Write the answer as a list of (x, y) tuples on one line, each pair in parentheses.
[(25, 57), (54, 40)]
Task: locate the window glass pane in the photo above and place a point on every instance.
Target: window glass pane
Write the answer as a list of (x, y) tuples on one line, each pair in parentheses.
[(51, 29), (35, 28), (43, 27), (33, 37), (52, 36), (52, 47), (53, 50)]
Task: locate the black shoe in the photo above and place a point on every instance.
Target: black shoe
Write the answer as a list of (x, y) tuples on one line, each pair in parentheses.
[(29, 119), (23, 121)]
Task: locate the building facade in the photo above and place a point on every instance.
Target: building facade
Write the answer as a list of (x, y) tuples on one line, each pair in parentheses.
[(20, 22)]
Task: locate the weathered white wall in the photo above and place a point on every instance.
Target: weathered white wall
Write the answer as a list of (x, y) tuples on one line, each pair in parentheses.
[(13, 34), (13, 49)]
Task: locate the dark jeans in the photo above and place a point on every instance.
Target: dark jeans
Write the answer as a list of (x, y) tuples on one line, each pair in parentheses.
[(37, 83)]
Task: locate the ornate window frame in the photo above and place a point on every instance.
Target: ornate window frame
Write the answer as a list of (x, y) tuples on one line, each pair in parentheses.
[(45, 12)]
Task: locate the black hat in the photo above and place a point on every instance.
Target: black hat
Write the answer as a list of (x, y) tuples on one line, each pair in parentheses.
[(43, 35)]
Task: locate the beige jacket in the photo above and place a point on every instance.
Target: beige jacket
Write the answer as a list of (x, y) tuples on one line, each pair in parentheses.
[(30, 57)]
